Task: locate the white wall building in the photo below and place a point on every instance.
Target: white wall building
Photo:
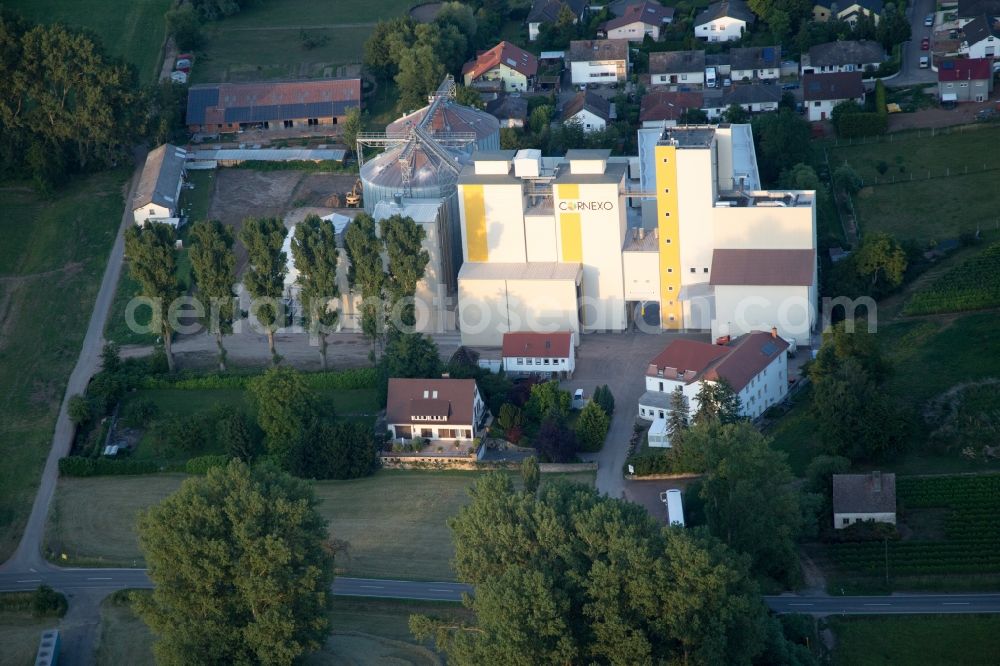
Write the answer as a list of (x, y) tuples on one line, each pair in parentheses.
[(723, 21), (157, 197), (598, 61), (549, 355), (755, 365), (863, 497), (823, 92), (448, 409)]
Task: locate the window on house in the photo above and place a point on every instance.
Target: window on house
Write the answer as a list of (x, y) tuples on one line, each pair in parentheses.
[(705, 270), (815, 103), (289, 123), (546, 361), (845, 521), (520, 361), (694, 270)]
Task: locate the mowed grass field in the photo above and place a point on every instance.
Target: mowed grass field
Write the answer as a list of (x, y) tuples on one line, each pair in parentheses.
[(265, 42), (19, 636), (131, 29), (921, 209), (394, 523), (52, 256), (922, 640)]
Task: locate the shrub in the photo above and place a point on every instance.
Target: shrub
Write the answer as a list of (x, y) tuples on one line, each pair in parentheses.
[(867, 530), (139, 412), (592, 427), (882, 167), (80, 409), (81, 466), (46, 602), (201, 464)]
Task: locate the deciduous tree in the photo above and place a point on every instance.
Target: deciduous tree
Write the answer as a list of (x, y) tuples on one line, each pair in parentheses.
[(530, 474), (240, 569), (408, 355), (153, 264), (367, 276), (547, 398), (286, 409), (881, 256), (403, 239), (314, 248), (214, 265), (263, 238)]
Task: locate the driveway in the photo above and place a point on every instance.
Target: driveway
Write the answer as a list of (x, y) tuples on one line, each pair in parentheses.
[(618, 360)]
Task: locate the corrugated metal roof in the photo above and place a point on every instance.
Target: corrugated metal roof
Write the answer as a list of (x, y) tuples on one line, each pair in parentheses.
[(280, 100), (160, 178)]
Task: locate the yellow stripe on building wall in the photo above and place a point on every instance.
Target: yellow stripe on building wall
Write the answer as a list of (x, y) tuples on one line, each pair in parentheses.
[(671, 312), (570, 233), (475, 223)]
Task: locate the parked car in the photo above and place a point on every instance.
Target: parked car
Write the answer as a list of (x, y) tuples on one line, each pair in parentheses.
[(986, 114), (789, 86), (925, 62), (929, 20), (925, 44)]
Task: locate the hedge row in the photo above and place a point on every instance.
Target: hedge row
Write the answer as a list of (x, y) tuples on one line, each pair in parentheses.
[(342, 380), (42, 602), (201, 464), (81, 466), (657, 463), (852, 125)]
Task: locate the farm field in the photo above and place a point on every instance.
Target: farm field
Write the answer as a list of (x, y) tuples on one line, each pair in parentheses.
[(53, 254), (131, 29), (19, 635), (952, 531), (394, 523), (266, 42), (972, 285), (966, 202), (916, 640)]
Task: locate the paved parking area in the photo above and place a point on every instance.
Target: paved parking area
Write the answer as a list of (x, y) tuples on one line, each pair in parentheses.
[(647, 493)]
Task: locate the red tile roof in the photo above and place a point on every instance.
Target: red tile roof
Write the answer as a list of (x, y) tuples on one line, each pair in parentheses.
[(763, 268), (447, 401), (503, 53), (738, 362), (537, 345), (965, 69), (668, 105)]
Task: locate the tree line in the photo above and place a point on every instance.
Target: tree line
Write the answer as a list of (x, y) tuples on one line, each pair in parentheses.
[(386, 263)]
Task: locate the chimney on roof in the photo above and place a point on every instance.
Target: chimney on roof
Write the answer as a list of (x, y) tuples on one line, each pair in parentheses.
[(877, 481), (774, 332)]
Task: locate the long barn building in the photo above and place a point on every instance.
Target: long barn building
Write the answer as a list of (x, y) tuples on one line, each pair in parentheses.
[(228, 107)]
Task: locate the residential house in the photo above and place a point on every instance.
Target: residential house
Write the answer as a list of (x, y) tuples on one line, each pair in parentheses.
[(598, 61), (509, 110), (665, 109), (228, 107), (723, 21), (753, 98), (755, 62), (591, 111), (449, 409), (981, 37), (843, 56), (549, 355), (638, 21), (848, 10), (547, 12), (755, 366), (681, 68), (822, 92), (864, 497), (968, 10), (965, 80), (512, 65), (159, 189)]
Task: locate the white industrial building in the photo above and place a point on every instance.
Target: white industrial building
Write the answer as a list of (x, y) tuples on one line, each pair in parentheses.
[(755, 366), (157, 197)]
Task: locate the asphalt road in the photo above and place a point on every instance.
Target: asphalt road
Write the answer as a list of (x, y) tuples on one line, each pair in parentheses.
[(81, 580), (909, 69)]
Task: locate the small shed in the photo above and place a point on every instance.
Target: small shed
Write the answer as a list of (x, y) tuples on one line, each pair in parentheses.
[(864, 497)]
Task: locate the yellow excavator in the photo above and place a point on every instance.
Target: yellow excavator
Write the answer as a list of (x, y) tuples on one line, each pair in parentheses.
[(354, 196)]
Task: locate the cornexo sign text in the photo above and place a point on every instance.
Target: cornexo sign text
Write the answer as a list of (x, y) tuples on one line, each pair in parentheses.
[(586, 205)]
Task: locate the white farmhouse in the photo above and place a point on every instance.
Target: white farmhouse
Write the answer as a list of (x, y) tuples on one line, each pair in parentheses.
[(159, 188), (723, 21), (755, 365), (549, 355), (598, 61), (863, 497), (449, 409)]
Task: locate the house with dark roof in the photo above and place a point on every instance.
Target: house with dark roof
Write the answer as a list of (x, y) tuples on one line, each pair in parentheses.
[(511, 111), (505, 62), (864, 497), (822, 92), (598, 61), (548, 11), (228, 107), (967, 10), (449, 409), (723, 21), (751, 97), (965, 80), (843, 56), (546, 355), (588, 109), (754, 365), (755, 62), (665, 109), (680, 68), (158, 194), (980, 37), (638, 21), (847, 10)]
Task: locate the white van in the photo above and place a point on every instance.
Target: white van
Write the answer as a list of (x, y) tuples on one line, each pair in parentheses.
[(925, 62), (675, 507)]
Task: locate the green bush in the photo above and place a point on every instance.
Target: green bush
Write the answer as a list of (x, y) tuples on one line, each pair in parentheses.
[(853, 125), (42, 602), (344, 380), (139, 412), (81, 466), (202, 464)]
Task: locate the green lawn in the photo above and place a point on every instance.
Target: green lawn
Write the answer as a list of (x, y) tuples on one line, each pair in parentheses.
[(52, 256), (131, 29), (916, 640), (124, 637), (196, 200), (19, 636), (265, 42), (921, 209)]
